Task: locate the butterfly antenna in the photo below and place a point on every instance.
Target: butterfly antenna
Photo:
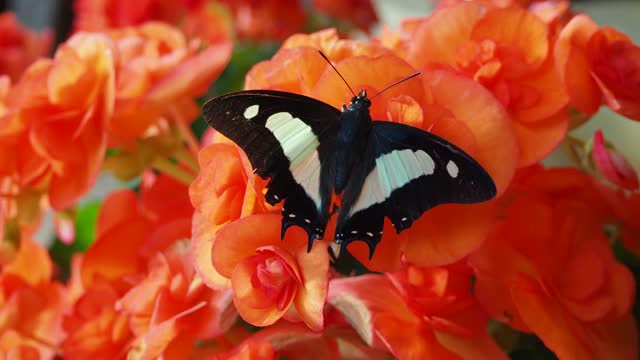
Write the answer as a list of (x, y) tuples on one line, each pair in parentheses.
[(337, 72), (396, 83)]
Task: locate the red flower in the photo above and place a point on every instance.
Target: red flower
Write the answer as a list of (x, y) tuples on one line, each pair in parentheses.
[(417, 313), (599, 65), (548, 268), (20, 47), (360, 12)]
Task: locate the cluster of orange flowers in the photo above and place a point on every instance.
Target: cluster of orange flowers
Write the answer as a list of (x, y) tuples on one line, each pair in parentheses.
[(190, 263)]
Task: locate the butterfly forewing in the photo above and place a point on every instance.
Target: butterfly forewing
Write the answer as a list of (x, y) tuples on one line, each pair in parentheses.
[(407, 171), (289, 139)]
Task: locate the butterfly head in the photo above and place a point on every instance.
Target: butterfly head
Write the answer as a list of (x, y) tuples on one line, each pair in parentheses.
[(360, 101)]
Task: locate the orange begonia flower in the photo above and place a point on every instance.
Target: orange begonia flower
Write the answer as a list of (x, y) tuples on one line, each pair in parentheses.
[(599, 65), (159, 74), (19, 47), (171, 309), (58, 131), (442, 102), (547, 268), (224, 191), (94, 327), (31, 305), (417, 313), (508, 52), (272, 278), (131, 230)]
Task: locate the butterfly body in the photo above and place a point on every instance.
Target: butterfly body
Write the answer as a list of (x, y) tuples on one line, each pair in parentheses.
[(310, 150), (351, 140)]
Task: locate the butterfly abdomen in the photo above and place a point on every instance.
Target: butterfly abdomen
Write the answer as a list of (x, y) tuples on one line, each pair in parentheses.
[(351, 142)]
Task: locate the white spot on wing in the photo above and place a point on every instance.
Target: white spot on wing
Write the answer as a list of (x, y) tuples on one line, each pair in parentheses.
[(251, 111), (452, 169), (299, 145), (392, 171)]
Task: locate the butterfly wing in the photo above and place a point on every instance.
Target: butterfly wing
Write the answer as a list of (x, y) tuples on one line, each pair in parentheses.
[(289, 139), (406, 172)]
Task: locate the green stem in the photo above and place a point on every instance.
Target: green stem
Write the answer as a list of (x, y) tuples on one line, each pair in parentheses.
[(170, 168)]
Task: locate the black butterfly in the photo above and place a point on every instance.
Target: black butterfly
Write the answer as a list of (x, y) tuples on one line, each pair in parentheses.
[(309, 149)]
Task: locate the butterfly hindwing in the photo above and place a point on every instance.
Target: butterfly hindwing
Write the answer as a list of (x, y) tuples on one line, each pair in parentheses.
[(288, 139), (406, 172)]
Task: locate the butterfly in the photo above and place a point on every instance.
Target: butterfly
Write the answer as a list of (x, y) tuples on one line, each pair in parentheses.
[(310, 150)]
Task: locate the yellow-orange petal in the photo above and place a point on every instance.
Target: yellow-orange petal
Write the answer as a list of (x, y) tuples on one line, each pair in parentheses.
[(311, 295), (521, 31), (573, 66), (192, 76), (448, 233), (539, 139), (32, 263), (294, 69), (548, 95), (437, 38)]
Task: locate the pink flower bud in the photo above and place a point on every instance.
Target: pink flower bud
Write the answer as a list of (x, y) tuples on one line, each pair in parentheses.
[(611, 164)]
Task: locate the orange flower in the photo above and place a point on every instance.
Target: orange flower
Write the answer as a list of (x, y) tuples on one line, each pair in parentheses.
[(131, 230), (271, 278), (19, 47), (508, 52), (159, 73), (31, 305), (225, 190), (171, 309), (417, 313), (547, 268), (93, 327), (58, 130), (599, 64)]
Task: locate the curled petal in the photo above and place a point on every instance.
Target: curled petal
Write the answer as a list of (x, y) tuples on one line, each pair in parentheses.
[(572, 64), (612, 165)]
